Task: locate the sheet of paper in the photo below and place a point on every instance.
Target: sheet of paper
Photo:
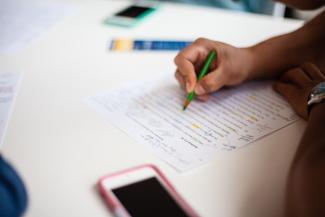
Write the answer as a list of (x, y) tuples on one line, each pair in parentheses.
[(151, 112), (9, 84), (22, 21)]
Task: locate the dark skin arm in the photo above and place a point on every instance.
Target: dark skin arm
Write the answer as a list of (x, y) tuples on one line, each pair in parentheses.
[(266, 59), (280, 53), (306, 182)]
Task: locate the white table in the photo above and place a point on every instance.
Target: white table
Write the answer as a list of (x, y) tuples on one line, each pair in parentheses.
[(61, 147)]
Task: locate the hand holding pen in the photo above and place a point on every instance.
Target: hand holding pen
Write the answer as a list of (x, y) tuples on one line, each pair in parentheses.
[(231, 67)]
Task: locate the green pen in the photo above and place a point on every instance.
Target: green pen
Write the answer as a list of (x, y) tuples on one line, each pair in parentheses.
[(212, 56)]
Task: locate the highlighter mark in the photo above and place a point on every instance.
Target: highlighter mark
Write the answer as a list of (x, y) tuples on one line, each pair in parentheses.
[(196, 126)]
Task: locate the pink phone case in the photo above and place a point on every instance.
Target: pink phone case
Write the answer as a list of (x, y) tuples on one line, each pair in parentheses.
[(110, 201)]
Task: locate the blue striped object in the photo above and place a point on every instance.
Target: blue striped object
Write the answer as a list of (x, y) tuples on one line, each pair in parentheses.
[(160, 45), (153, 45)]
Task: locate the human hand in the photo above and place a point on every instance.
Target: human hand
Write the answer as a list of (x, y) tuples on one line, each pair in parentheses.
[(230, 68), (296, 85)]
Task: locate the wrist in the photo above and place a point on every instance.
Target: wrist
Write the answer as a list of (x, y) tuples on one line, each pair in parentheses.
[(273, 56), (258, 66), (249, 65), (318, 110)]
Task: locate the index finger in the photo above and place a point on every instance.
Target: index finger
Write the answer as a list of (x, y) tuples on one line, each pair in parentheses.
[(186, 69), (189, 58)]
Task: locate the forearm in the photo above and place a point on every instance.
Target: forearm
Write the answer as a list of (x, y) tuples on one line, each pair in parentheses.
[(275, 55), (303, 4), (306, 188)]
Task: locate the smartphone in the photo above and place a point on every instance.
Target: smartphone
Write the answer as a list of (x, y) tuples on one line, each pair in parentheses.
[(142, 191), (132, 15)]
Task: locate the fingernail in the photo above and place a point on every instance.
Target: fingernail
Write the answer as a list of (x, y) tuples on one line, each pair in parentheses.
[(199, 90)]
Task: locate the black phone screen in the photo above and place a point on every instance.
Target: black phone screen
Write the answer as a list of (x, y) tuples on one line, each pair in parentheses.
[(133, 11), (148, 198)]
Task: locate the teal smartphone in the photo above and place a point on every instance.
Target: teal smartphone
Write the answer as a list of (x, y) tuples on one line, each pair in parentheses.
[(132, 15)]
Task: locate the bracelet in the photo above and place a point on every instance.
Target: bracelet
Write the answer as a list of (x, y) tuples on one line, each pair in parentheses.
[(316, 96)]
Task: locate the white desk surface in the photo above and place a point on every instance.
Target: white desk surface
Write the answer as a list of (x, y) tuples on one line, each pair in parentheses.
[(61, 146)]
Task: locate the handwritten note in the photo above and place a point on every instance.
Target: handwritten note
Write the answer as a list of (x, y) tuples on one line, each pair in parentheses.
[(9, 83), (151, 113)]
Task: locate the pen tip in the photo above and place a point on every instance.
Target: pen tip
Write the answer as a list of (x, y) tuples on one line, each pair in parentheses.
[(186, 103)]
